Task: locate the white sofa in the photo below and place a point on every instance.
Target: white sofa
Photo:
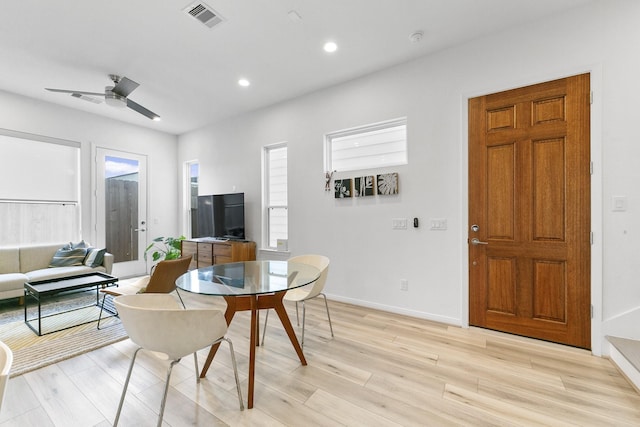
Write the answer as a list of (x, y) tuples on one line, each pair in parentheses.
[(31, 263)]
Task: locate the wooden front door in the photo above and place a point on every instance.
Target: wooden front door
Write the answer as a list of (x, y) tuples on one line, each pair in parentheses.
[(529, 211)]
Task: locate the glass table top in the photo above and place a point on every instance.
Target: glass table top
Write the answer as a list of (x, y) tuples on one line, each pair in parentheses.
[(248, 278)]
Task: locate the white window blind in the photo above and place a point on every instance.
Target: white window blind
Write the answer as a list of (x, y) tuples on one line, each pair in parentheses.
[(39, 189), (276, 194), (38, 169), (367, 147)]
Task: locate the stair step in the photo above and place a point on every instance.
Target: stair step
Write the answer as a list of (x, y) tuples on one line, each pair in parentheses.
[(630, 349), (625, 354)]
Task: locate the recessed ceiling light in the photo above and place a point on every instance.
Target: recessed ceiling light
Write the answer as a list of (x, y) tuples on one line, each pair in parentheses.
[(244, 82), (156, 118), (330, 47)]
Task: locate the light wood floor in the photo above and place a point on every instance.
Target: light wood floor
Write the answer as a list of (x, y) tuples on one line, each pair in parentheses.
[(380, 369)]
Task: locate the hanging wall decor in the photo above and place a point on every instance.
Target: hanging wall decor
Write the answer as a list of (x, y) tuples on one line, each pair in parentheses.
[(327, 180), (364, 186), (388, 183), (342, 188)]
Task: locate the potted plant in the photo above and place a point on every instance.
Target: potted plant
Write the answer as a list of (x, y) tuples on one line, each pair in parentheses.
[(164, 248)]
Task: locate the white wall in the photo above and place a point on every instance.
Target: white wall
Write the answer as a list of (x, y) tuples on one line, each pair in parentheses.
[(368, 257), (23, 114)]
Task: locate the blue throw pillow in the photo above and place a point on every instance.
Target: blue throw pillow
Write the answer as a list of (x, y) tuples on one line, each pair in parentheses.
[(66, 256), (94, 257), (81, 244)]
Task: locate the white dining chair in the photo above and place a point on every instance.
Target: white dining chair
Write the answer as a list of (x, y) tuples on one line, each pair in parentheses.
[(158, 323), (6, 360), (305, 293)]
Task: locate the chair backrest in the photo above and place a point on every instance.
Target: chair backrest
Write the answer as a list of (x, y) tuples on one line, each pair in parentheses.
[(158, 323), (320, 262), (6, 360), (166, 272)]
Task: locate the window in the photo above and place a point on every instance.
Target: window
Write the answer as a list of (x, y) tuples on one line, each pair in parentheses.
[(39, 189), (192, 172), (367, 147), (275, 194)]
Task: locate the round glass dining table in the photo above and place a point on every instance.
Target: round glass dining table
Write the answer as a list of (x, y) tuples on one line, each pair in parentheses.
[(251, 286)]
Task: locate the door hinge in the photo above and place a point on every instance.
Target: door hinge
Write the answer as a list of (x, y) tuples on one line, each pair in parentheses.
[(590, 168), (591, 97), (592, 311), (591, 237)]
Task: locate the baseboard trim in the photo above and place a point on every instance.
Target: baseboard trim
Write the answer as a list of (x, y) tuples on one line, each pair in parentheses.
[(397, 310)]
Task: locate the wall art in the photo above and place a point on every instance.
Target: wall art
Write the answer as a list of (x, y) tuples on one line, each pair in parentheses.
[(388, 183), (364, 186), (342, 188)]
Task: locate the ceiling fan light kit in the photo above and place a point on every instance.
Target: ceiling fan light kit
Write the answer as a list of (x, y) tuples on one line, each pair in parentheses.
[(114, 96), (114, 99)]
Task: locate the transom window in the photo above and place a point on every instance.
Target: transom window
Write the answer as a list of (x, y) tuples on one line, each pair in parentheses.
[(367, 147)]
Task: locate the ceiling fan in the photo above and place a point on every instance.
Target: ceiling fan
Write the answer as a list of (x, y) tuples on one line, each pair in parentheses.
[(115, 96)]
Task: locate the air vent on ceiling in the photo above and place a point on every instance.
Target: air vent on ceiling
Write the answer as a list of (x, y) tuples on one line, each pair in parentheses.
[(204, 14)]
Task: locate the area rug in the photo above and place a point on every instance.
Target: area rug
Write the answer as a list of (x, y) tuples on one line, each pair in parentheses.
[(32, 352)]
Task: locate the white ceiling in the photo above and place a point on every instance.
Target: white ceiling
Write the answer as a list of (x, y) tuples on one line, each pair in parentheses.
[(188, 73)]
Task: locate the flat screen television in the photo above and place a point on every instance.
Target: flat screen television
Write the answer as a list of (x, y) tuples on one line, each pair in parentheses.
[(221, 216)]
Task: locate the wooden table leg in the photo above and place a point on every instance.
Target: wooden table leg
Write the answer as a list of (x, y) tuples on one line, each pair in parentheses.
[(252, 349), (228, 315), (255, 303), (278, 306)]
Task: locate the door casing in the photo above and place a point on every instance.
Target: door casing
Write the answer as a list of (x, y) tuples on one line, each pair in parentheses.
[(128, 268), (596, 83)]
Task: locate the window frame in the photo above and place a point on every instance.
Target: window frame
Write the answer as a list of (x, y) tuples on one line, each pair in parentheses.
[(187, 195), (364, 129), (266, 202)]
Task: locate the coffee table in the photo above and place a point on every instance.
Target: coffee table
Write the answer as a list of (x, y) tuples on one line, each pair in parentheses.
[(43, 289)]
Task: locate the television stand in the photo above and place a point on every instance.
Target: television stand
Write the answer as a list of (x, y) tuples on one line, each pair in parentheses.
[(208, 251)]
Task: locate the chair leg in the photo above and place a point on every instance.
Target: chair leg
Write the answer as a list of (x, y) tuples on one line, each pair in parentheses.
[(298, 317), (304, 312), (264, 331), (195, 361), (126, 384), (328, 316), (166, 391), (235, 371)]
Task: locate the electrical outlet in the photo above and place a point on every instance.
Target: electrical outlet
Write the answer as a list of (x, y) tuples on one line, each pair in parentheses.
[(404, 285)]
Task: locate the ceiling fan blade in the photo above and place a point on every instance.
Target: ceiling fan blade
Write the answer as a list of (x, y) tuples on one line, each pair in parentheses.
[(124, 87), (140, 109), (87, 98), (75, 91)]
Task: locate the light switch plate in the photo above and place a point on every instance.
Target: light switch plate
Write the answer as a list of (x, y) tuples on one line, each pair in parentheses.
[(619, 203), (399, 223), (438, 224)]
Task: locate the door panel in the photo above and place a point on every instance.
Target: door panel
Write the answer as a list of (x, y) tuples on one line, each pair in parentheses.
[(529, 196), (121, 209)]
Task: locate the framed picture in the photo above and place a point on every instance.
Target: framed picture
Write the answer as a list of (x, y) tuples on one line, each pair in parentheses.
[(364, 186), (342, 188), (387, 183)]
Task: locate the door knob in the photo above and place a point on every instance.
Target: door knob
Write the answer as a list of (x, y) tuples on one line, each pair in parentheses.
[(476, 241), (139, 229)]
